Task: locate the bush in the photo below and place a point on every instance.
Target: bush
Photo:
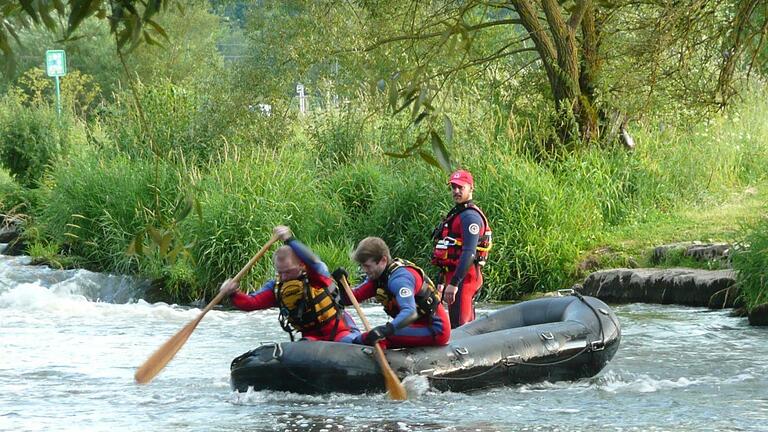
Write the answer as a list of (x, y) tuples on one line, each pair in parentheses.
[(406, 209), (97, 205), (750, 260), (12, 194), (244, 197), (539, 226), (30, 139), (354, 190), (339, 135)]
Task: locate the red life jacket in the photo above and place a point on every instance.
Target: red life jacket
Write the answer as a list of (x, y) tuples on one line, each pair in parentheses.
[(448, 238)]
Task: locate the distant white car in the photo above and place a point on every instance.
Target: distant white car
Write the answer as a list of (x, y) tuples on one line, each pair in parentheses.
[(265, 109)]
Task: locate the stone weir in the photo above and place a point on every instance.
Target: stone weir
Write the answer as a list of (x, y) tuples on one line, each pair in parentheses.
[(684, 286), (716, 289)]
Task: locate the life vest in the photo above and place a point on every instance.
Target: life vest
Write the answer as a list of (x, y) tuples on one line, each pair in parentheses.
[(426, 296), (448, 238), (304, 307)]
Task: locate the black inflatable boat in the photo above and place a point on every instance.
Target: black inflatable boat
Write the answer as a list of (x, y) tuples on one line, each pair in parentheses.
[(548, 339)]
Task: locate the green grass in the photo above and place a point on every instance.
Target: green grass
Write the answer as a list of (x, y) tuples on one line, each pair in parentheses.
[(713, 222), (327, 177)]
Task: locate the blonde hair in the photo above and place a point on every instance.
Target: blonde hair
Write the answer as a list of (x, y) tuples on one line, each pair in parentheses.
[(371, 248)]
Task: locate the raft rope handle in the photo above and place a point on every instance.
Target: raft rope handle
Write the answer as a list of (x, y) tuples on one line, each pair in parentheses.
[(598, 345), (468, 377), (277, 352)]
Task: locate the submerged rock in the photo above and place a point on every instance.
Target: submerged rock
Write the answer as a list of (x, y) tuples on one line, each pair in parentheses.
[(758, 316)]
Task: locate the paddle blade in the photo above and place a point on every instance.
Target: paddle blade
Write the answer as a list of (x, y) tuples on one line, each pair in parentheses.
[(395, 388), (157, 361)]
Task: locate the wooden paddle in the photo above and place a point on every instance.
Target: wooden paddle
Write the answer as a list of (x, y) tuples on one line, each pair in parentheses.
[(395, 388), (157, 361)]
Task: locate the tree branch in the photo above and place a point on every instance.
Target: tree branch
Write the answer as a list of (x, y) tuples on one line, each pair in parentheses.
[(418, 37), (578, 14)]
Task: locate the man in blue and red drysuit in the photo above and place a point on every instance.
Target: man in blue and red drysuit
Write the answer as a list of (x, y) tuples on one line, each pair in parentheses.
[(408, 296), (307, 296), (462, 241)]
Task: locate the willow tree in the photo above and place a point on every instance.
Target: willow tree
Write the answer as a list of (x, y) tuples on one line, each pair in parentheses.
[(596, 57)]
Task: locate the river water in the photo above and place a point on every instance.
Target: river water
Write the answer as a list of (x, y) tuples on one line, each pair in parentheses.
[(70, 342)]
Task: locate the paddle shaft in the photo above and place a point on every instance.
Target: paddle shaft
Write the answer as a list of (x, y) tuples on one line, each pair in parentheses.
[(157, 361), (395, 388)]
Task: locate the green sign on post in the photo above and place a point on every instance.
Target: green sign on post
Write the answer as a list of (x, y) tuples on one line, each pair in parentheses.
[(56, 63), (56, 66)]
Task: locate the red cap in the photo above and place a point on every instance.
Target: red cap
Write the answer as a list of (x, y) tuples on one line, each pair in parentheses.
[(461, 178)]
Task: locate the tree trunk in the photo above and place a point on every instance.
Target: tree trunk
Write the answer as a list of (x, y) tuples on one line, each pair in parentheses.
[(558, 49), (590, 70)]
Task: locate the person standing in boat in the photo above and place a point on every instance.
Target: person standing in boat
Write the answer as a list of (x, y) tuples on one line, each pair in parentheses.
[(303, 290), (409, 297), (462, 241)]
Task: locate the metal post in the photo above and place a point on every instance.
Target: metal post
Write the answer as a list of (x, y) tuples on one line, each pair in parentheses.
[(302, 100), (58, 97)]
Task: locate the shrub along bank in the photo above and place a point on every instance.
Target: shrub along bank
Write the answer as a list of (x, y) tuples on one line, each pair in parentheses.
[(190, 207)]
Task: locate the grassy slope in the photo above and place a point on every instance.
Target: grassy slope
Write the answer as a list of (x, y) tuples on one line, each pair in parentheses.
[(709, 223)]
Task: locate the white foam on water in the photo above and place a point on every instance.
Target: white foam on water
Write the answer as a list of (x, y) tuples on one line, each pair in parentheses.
[(415, 385), (625, 382), (63, 301)]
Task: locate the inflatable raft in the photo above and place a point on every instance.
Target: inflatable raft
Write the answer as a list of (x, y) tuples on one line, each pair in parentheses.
[(548, 339)]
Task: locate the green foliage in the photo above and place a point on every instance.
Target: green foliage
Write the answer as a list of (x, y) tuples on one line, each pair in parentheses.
[(539, 226), (79, 91), (12, 194), (339, 135), (355, 189), (676, 257), (185, 53), (245, 197), (188, 125), (92, 54), (335, 254), (172, 112), (131, 22), (98, 203), (406, 209), (34, 88), (750, 260), (31, 138)]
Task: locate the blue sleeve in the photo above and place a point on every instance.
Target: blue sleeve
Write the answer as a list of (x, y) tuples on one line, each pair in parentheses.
[(401, 284), (469, 245), (268, 286), (308, 257)]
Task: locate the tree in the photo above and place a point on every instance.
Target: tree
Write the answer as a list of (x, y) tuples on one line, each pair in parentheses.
[(595, 56), (130, 21)]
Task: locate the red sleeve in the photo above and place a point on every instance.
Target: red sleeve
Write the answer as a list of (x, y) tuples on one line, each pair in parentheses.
[(365, 291), (263, 299)]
